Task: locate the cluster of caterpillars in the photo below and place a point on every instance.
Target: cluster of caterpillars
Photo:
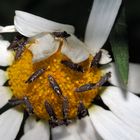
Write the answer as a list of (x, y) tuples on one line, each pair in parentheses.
[(18, 46)]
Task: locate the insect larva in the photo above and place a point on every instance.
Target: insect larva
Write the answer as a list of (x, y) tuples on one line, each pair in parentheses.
[(35, 75), (82, 110), (61, 34), (65, 111), (14, 44), (85, 87), (73, 66), (50, 111), (96, 59), (54, 85), (53, 122), (15, 102), (65, 107), (20, 49), (28, 105), (91, 86), (103, 79)]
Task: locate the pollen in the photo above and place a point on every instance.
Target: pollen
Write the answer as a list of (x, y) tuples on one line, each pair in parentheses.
[(40, 90)]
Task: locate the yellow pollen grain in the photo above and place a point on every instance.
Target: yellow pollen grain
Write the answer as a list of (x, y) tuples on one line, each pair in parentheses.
[(40, 90)]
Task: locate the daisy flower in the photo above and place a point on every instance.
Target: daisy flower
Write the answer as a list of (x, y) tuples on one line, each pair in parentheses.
[(55, 77)]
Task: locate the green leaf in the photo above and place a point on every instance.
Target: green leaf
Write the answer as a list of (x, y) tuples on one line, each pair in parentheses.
[(118, 40)]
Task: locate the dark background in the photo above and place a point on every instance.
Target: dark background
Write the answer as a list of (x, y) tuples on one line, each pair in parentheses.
[(74, 12)]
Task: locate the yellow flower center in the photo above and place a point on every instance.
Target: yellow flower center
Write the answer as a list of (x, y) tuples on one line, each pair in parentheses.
[(39, 91)]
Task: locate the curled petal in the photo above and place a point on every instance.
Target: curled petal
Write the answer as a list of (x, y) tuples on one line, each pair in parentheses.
[(30, 25), (75, 49), (44, 46)]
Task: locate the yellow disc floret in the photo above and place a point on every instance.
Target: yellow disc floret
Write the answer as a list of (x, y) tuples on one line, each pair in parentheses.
[(40, 89)]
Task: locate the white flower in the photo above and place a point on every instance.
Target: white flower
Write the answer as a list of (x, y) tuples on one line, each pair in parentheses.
[(122, 121)]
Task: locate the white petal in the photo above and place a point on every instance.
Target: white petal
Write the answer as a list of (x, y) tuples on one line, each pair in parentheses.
[(100, 22), (86, 130), (44, 46), (6, 56), (7, 29), (29, 124), (63, 133), (39, 132), (3, 77), (30, 25), (5, 95), (105, 58), (110, 127), (80, 130), (134, 76), (75, 49), (10, 122), (127, 109)]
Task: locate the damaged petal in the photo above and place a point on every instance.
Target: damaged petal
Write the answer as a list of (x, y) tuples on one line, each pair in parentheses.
[(106, 58), (43, 47), (75, 49)]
